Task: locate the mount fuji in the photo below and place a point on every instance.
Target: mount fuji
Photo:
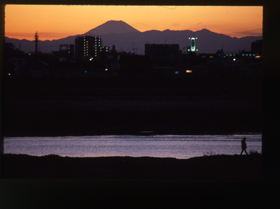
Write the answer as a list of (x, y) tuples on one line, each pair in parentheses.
[(112, 27)]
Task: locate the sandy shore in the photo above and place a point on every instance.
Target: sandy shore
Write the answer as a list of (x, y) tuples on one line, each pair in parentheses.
[(217, 167)]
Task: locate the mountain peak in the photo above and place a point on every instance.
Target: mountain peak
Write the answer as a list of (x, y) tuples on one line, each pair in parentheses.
[(112, 26), (204, 30)]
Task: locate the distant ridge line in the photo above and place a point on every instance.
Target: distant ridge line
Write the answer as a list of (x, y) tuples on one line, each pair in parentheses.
[(125, 38)]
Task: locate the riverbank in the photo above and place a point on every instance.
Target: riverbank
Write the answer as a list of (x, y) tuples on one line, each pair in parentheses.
[(63, 107), (216, 167), (113, 116)]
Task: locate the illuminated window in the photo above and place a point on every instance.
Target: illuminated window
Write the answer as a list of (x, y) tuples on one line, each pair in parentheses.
[(188, 71)]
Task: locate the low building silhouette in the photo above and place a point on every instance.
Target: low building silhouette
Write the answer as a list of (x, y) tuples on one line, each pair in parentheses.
[(65, 53), (162, 52)]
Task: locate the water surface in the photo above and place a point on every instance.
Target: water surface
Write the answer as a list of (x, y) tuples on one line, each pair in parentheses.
[(174, 146)]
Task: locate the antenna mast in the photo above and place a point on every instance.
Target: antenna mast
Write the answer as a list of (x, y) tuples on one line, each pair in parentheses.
[(36, 42)]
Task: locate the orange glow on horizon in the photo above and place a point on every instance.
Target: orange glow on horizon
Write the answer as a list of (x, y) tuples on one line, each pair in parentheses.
[(55, 22)]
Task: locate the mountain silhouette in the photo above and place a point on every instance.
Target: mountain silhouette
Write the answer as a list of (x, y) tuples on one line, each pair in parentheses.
[(128, 39), (112, 27)]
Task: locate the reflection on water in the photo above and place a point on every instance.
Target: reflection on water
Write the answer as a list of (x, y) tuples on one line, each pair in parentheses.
[(174, 146)]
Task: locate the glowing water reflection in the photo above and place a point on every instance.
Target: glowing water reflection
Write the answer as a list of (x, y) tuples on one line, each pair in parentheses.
[(174, 146)]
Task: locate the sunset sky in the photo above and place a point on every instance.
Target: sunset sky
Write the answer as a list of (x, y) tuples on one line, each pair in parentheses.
[(55, 22)]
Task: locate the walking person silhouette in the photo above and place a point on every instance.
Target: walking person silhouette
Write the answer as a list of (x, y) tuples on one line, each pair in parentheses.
[(243, 146)]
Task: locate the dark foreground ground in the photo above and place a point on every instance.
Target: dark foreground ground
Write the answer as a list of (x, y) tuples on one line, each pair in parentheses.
[(219, 167), (126, 182)]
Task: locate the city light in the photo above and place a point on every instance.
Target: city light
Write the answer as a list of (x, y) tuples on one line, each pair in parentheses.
[(188, 71), (193, 45)]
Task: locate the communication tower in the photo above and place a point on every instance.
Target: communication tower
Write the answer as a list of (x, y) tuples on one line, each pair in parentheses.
[(36, 42)]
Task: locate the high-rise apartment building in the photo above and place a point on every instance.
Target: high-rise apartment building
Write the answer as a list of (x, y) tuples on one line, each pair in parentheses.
[(88, 46)]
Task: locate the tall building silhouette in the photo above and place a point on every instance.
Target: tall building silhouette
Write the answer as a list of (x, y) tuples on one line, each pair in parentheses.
[(36, 42), (256, 47)]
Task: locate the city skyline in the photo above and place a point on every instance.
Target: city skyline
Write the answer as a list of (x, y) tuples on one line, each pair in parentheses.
[(65, 21)]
